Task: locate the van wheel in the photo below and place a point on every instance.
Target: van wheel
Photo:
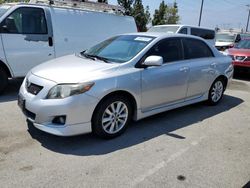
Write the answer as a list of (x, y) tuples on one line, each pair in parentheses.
[(216, 92), (3, 80), (112, 116)]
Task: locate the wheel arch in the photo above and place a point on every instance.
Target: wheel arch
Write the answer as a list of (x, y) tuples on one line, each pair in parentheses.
[(119, 93), (224, 78), (5, 68)]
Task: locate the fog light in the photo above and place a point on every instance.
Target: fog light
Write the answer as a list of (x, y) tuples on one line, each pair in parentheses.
[(60, 120)]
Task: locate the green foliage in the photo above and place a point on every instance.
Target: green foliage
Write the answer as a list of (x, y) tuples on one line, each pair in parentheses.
[(127, 4), (166, 14), (141, 15)]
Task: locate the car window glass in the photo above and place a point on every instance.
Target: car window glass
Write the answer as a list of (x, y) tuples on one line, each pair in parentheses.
[(196, 49), (183, 31), (203, 33), (170, 50), (25, 21)]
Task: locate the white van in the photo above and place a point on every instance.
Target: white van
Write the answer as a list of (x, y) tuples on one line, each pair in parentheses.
[(205, 33), (32, 33)]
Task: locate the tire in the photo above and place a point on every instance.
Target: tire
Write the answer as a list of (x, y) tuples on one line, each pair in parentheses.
[(106, 122), (3, 80), (216, 92)]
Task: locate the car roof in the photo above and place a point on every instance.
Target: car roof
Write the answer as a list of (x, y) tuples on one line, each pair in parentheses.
[(163, 35), (182, 25)]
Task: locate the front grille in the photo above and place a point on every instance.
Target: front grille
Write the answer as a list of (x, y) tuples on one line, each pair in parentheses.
[(247, 59), (33, 88)]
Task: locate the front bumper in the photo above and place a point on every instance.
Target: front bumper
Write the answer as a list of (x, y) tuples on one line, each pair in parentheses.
[(40, 111)]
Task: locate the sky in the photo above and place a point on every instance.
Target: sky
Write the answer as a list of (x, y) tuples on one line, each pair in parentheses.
[(222, 13)]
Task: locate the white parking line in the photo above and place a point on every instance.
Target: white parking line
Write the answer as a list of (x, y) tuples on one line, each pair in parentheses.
[(162, 164)]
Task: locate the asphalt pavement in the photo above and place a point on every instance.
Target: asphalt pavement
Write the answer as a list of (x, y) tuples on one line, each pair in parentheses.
[(193, 146)]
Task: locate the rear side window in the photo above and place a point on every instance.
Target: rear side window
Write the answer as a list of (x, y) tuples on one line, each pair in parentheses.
[(203, 33), (25, 21), (183, 31), (196, 49), (169, 49)]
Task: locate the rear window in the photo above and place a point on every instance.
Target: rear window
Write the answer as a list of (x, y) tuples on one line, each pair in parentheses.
[(196, 49), (164, 29), (203, 33)]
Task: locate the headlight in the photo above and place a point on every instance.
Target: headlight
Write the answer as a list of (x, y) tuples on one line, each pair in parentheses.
[(65, 90)]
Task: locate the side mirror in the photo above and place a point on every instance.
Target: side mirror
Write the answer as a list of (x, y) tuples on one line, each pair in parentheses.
[(153, 61)]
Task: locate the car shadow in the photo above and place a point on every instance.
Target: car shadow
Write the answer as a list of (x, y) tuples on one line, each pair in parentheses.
[(11, 92), (162, 124), (241, 75)]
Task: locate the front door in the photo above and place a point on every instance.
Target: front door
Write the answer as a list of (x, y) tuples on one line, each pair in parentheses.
[(166, 84), (26, 39)]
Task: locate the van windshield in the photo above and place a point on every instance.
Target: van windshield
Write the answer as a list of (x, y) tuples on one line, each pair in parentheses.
[(118, 49), (4, 9), (164, 29), (225, 37)]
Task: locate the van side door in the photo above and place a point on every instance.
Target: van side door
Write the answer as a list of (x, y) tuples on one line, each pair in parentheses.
[(27, 39)]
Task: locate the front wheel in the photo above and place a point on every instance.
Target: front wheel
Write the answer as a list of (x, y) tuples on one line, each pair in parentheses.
[(112, 117), (3, 80), (216, 92)]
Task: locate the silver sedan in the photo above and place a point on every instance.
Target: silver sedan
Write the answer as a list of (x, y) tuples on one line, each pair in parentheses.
[(126, 77)]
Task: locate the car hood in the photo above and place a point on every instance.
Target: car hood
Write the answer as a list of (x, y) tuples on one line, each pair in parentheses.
[(239, 52), (73, 69), (219, 44)]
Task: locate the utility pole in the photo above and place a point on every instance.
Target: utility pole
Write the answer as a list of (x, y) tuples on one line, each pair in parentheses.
[(201, 12), (248, 17)]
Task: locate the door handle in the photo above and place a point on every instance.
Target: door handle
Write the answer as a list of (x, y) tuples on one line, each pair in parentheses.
[(50, 41), (213, 65), (184, 69)]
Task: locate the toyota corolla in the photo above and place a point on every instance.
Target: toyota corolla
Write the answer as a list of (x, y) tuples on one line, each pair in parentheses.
[(127, 77)]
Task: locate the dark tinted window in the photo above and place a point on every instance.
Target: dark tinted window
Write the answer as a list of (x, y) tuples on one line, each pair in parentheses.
[(183, 31), (169, 49), (203, 33), (25, 21), (196, 49)]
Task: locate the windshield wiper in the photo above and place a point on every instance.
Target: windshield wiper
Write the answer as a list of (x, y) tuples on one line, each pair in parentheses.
[(87, 56), (100, 58), (94, 57)]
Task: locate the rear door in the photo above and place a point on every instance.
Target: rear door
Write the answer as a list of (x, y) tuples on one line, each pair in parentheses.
[(27, 39), (202, 64)]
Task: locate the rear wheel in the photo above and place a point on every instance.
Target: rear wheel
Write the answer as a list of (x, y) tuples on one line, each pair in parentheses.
[(3, 80), (216, 91), (112, 117)]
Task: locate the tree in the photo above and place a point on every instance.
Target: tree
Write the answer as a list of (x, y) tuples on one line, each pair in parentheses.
[(127, 4), (142, 16), (166, 14)]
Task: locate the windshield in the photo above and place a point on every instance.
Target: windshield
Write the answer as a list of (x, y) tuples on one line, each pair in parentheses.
[(3, 9), (225, 37), (244, 44), (165, 29), (119, 49)]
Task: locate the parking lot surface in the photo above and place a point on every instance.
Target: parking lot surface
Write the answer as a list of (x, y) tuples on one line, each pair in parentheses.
[(193, 146)]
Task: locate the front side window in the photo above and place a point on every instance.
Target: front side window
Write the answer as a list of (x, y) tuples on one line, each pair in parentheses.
[(119, 49), (169, 49), (196, 49), (25, 21)]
